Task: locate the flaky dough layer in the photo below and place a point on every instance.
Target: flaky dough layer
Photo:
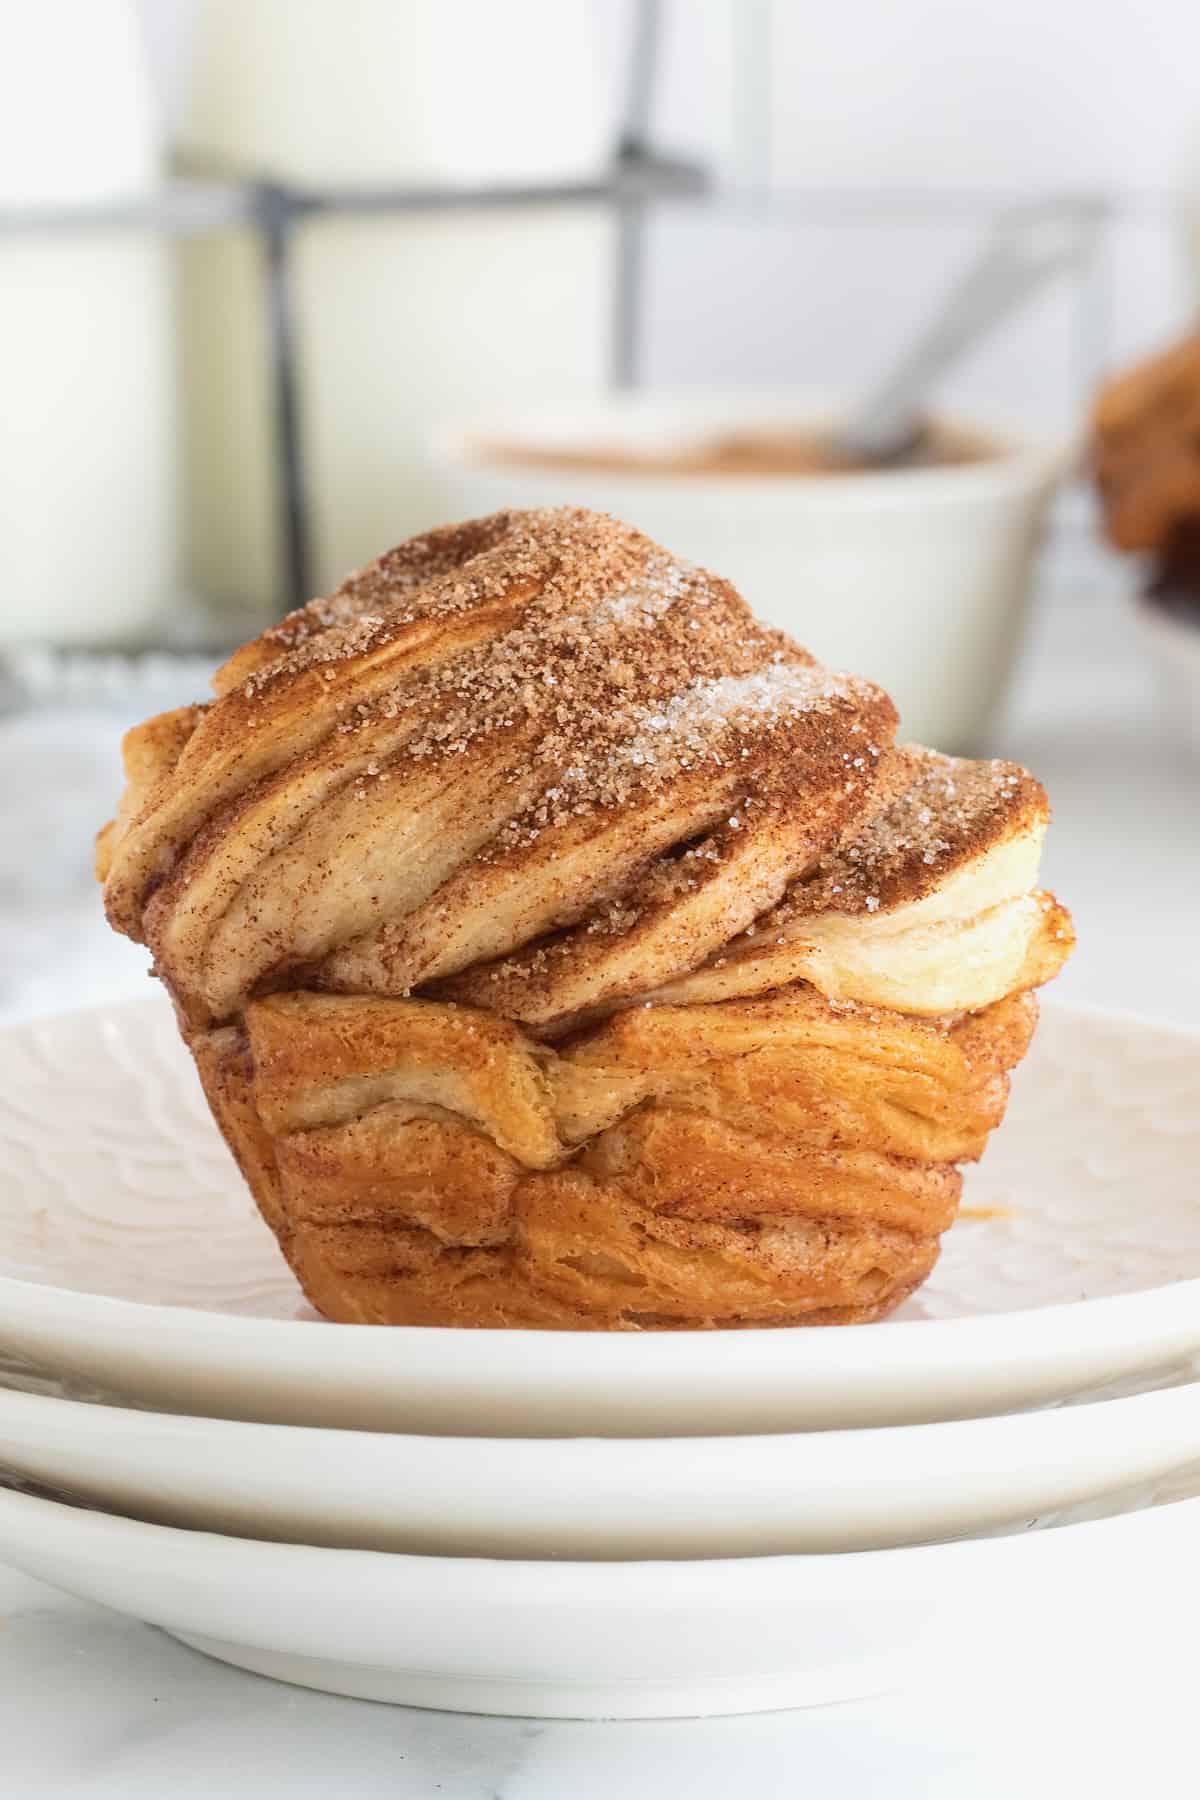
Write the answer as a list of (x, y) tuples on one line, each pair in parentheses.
[(560, 946)]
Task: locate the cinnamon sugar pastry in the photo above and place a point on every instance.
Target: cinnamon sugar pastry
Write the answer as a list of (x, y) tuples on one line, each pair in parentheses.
[(558, 946), (1146, 448)]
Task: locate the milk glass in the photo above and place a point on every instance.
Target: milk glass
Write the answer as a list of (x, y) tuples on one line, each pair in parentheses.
[(87, 479), (401, 320)]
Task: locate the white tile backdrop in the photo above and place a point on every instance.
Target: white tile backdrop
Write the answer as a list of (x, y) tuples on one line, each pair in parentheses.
[(983, 93), (878, 138), (863, 146)]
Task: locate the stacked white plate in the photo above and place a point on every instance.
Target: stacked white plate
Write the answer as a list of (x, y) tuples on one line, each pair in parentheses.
[(591, 1524)]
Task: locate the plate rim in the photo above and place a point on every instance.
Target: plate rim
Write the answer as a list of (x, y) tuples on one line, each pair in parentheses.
[(1175, 1301), (1077, 1421), (606, 1578)]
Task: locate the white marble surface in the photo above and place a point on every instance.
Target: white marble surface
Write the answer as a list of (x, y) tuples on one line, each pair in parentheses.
[(98, 1706)]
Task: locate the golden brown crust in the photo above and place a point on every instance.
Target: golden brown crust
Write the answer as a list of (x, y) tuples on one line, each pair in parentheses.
[(551, 938), (770, 1161), (227, 1076)]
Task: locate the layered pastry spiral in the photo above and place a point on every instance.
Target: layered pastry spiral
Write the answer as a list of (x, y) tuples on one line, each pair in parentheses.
[(559, 946)]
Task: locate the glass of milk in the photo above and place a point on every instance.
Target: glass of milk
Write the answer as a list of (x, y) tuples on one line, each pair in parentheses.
[(403, 318), (87, 429)]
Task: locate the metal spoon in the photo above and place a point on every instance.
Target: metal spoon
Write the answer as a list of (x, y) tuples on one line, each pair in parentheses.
[(1028, 246)]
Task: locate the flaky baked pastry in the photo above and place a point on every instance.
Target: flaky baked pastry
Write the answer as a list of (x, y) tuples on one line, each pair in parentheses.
[(560, 947), (1146, 448)]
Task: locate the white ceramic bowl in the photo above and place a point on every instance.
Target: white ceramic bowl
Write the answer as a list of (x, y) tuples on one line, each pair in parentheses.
[(612, 1640), (132, 1257), (607, 1498), (918, 577)]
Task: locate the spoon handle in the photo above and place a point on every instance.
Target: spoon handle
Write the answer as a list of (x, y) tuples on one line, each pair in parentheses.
[(1028, 246)]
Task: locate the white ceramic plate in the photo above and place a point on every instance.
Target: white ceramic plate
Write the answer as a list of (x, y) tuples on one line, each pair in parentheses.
[(612, 1498), (631, 1639), (131, 1256)]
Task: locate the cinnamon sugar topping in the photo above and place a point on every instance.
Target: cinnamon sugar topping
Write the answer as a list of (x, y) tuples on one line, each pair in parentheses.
[(946, 809), (570, 559), (612, 694)]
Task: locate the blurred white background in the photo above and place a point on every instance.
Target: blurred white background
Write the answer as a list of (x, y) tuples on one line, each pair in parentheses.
[(864, 146)]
